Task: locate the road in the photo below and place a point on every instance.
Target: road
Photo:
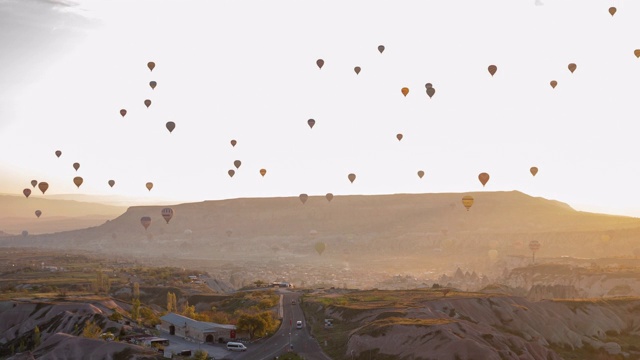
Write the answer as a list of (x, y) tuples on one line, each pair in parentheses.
[(287, 336)]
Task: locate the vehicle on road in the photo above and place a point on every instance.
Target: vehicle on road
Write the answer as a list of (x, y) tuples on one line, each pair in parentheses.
[(293, 302), (236, 346), (299, 324)]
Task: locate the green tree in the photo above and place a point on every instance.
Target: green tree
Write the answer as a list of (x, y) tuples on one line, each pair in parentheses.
[(36, 337), (135, 309), (200, 355), (22, 347), (253, 324), (259, 283), (189, 311), (91, 330), (172, 302), (136, 290), (115, 316)]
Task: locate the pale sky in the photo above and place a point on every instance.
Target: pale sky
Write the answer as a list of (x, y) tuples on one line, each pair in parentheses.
[(246, 70)]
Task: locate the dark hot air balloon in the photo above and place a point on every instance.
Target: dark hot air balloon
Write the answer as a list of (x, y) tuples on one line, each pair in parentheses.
[(320, 246), (381, 48), (237, 164), (111, 183), (320, 63), (303, 198), (170, 126), (34, 183), (430, 92), (231, 172), (329, 197), (405, 91), (483, 177), (153, 84), (311, 123), (38, 213), (357, 69), (26, 192), (492, 69), (123, 112), (233, 143), (151, 65), (58, 153), (145, 221), (263, 172), (43, 186), (147, 103), (553, 84), (149, 186), (533, 170), (572, 67), (399, 137), (78, 181), (76, 166), (612, 10), (420, 174), (352, 177), (167, 214)]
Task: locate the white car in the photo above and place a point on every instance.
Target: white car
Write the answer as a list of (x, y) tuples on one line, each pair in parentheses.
[(299, 324)]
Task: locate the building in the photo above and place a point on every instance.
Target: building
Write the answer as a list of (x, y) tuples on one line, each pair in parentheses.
[(179, 325)]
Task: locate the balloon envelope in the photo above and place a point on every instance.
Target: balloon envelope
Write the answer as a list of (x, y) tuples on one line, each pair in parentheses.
[(311, 122), (149, 186), (533, 170), (123, 112), (170, 126), (420, 174), (76, 166), (26, 192), (553, 84), (572, 67), (303, 198), (431, 91), (231, 172), (352, 177), (78, 181), (534, 245), (145, 221), (151, 65), (263, 172), (381, 48), (467, 201), (58, 153), (320, 246), (237, 164), (320, 63), (34, 183), (43, 186), (636, 52), (167, 214), (428, 85), (399, 137), (233, 143), (38, 213), (111, 183), (492, 69), (612, 10), (483, 177), (147, 103), (153, 84), (329, 197), (405, 91), (357, 70)]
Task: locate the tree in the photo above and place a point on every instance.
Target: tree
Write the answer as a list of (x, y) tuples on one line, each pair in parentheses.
[(172, 302), (189, 311), (200, 355), (116, 316), (135, 309), (136, 290), (259, 283), (102, 283), (445, 292), (91, 330), (256, 325), (36, 337)]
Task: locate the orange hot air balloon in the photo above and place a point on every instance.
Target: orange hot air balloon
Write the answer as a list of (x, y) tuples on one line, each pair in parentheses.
[(352, 177), (399, 137), (145, 221), (533, 170), (111, 183), (357, 70), (431, 91), (467, 201), (233, 143), (636, 52), (329, 197), (147, 103), (483, 177), (311, 123), (405, 91), (123, 112), (26, 192), (420, 174), (492, 69), (167, 214), (320, 63), (320, 246), (237, 164), (170, 126), (149, 186), (612, 10), (231, 172), (263, 172), (572, 67), (76, 166), (78, 181), (381, 48), (34, 183), (151, 65), (153, 85), (303, 198), (553, 83), (43, 186), (38, 213), (58, 153)]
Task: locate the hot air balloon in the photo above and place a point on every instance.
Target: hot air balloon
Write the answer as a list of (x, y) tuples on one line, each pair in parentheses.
[(147, 103), (233, 143), (329, 197), (34, 183), (399, 137), (58, 153), (534, 245), (428, 85), (123, 112), (492, 69), (167, 214), (26, 192), (320, 246), (381, 48), (149, 186), (111, 183), (533, 170), (467, 201), (76, 166), (636, 52), (420, 174), (38, 213), (303, 198), (43, 186), (572, 67), (483, 177), (263, 172), (231, 172), (145, 221), (313, 232), (311, 122), (320, 63), (352, 177), (237, 164), (229, 232), (553, 83), (170, 126), (25, 233), (612, 10), (151, 65), (78, 181), (431, 91), (405, 91), (153, 84), (357, 70)]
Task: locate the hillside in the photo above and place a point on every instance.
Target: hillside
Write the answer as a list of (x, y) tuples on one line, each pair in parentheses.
[(370, 228)]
